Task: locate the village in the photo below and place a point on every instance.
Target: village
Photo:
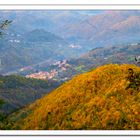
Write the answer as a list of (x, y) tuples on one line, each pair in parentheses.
[(43, 75), (60, 67)]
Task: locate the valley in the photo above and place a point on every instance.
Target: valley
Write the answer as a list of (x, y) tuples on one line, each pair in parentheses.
[(65, 69)]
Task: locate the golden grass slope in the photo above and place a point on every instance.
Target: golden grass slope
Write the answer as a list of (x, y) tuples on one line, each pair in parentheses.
[(95, 100)]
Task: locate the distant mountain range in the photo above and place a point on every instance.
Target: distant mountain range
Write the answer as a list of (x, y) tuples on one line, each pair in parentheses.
[(105, 29), (36, 36), (99, 28)]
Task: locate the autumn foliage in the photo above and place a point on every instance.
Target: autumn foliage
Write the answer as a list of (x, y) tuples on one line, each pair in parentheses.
[(98, 100)]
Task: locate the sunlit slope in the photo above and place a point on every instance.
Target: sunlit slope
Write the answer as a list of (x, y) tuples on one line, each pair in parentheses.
[(98, 99)]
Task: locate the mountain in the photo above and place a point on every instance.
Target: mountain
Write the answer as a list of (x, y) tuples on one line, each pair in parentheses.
[(40, 35), (17, 91), (105, 29), (17, 51), (104, 98)]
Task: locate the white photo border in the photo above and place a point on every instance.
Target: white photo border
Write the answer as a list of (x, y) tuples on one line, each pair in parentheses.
[(68, 2)]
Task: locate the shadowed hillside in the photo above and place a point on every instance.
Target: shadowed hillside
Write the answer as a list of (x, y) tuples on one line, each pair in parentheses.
[(104, 98), (18, 91)]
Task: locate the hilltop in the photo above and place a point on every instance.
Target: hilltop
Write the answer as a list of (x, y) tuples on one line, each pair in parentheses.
[(102, 98)]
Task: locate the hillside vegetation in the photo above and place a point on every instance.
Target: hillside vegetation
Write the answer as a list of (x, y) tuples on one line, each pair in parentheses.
[(17, 91), (104, 98), (119, 54)]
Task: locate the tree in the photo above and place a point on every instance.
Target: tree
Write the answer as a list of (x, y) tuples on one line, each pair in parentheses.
[(1, 103), (137, 59), (3, 25)]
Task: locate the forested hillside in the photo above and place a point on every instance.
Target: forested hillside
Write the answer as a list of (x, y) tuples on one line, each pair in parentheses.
[(17, 91), (119, 54)]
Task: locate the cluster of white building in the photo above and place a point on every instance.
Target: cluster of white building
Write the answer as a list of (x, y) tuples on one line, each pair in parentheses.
[(43, 75), (60, 63), (61, 66), (75, 46), (14, 40)]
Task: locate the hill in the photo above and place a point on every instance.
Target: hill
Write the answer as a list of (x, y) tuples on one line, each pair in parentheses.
[(104, 98), (33, 47), (17, 91), (117, 54)]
